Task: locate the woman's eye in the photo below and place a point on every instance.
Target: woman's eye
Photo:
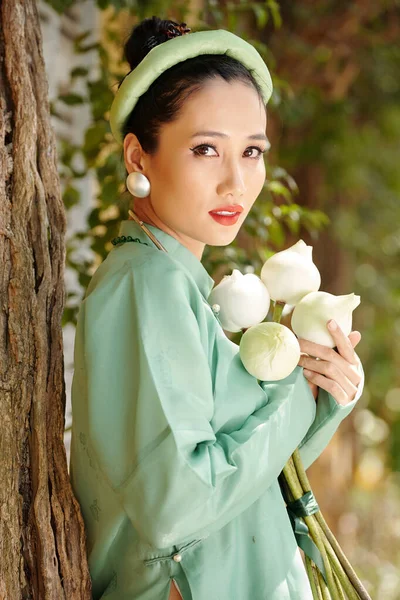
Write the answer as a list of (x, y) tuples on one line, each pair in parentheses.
[(260, 151), (198, 151)]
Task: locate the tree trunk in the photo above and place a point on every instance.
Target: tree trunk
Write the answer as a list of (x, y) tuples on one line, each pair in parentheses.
[(42, 536)]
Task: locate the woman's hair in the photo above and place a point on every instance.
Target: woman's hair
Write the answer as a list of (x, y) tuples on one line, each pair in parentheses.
[(166, 95)]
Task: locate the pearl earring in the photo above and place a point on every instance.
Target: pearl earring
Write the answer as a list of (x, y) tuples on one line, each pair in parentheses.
[(138, 184)]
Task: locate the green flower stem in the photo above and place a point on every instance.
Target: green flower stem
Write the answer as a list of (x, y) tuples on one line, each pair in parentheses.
[(351, 574), (340, 572), (324, 588), (315, 573), (342, 596), (293, 491), (305, 484), (287, 494), (278, 308), (342, 576), (315, 534), (292, 479), (313, 580), (358, 586), (339, 575)]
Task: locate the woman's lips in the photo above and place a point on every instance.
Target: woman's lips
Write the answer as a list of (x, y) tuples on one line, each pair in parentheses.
[(229, 207), (225, 219)]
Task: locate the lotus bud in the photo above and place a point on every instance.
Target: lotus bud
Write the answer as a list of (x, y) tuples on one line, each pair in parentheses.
[(291, 274), (311, 314), (269, 351), (243, 300)]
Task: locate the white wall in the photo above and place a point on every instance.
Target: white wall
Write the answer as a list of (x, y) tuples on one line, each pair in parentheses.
[(58, 34)]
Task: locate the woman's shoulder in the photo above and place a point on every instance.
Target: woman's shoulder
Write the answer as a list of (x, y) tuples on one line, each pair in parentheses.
[(150, 270)]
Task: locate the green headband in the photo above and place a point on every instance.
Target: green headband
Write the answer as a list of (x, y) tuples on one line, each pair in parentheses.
[(175, 50)]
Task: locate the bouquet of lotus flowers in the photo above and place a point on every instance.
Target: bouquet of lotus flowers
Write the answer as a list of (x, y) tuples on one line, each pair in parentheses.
[(271, 351)]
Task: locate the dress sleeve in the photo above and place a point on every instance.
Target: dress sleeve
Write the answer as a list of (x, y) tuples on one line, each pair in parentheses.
[(328, 417), (185, 480)]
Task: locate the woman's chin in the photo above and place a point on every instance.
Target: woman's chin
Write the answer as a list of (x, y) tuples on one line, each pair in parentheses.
[(222, 238)]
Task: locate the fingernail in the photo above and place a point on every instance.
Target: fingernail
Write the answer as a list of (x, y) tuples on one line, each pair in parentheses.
[(332, 325), (307, 373)]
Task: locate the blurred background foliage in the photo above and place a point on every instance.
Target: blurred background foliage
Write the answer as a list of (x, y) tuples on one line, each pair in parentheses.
[(333, 179)]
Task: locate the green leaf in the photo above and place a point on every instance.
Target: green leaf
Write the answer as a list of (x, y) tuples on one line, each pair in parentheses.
[(109, 192), (113, 36), (275, 13), (78, 174), (100, 96), (79, 72), (261, 15), (67, 152), (93, 218), (71, 99), (110, 166), (278, 188), (60, 6), (103, 4), (79, 49), (94, 139), (232, 20), (71, 196), (276, 234), (82, 36), (69, 315)]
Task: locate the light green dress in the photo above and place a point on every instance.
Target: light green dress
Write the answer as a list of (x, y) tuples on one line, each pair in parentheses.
[(176, 448)]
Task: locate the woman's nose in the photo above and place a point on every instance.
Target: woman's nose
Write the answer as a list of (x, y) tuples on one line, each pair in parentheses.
[(233, 183)]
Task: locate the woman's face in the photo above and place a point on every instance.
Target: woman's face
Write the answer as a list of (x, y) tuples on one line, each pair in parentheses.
[(192, 173)]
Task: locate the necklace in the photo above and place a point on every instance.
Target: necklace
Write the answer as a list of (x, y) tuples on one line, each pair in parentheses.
[(121, 239)]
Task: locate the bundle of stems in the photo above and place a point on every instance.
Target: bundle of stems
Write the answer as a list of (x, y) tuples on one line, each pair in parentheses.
[(341, 582)]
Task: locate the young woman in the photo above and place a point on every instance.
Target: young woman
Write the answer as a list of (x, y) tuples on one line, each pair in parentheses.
[(176, 448)]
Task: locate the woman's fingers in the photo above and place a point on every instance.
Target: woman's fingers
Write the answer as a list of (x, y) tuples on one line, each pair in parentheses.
[(345, 350), (337, 372), (330, 371), (330, 366), (332, 387), (354, 337), (349, 367), (343, 344)]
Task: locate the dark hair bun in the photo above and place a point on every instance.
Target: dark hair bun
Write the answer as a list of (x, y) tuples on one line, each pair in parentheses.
[(147, 34)]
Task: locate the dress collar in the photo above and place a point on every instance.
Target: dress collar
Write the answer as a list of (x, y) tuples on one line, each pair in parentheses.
[(178, 251)]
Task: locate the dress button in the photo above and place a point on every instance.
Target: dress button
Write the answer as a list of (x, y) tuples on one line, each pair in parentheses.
[(177, 557)]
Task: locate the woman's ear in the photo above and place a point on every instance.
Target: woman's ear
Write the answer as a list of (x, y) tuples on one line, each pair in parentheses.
[(133, 153)]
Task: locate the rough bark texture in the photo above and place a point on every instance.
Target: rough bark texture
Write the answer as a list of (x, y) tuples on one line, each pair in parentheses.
[(42, 537)]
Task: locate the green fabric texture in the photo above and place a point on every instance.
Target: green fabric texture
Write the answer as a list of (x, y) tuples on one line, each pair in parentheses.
[(165, 55), (175, 447)]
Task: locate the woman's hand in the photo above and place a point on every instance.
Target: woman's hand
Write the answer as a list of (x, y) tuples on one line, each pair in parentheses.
[(337, 372)]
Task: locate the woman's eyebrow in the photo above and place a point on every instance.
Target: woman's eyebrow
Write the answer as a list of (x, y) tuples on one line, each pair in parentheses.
[(255, 136)]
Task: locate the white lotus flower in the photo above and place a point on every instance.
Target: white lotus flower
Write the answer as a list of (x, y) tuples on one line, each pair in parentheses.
[(311, 315), (243, 300), (269, 351), (291, 274)]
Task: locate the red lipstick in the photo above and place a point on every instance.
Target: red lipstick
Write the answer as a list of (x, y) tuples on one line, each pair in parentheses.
[(231, 208), (226, 219)]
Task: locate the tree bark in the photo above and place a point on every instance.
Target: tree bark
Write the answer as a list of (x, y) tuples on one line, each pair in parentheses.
[(42, 536)]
